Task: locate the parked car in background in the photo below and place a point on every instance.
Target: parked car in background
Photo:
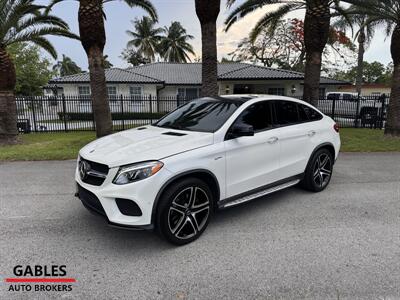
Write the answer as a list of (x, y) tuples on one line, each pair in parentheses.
[(211, 153), (350, 105), (342, 96)]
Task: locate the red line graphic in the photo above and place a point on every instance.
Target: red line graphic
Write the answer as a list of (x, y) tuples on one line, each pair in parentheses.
[(33, 279)]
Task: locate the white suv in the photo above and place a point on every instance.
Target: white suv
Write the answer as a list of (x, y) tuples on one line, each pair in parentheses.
[(211, 153)]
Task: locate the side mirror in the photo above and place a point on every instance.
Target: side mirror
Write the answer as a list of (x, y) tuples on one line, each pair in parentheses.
[(239, 130)]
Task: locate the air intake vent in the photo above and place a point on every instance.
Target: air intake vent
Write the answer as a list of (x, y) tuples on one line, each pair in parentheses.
[(174, 133), (142, 128)]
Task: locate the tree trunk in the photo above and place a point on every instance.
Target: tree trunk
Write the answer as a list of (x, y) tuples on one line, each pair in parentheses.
[(8, 108), (207, 11), (316, 34), (93, 38), (312, 77), (393, 119), (360, 65)]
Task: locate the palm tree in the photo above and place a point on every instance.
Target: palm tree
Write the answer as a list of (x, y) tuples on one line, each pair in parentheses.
[(174, 46), (363, 36), (93, 38), (145, 38), (385, 13), (207, 12), (21, 21), (316, 31), (66, 66)]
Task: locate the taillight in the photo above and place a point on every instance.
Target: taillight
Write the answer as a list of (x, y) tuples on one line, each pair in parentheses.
[(336, 127)]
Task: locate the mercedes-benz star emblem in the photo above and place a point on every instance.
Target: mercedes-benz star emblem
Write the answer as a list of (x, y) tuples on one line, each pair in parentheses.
[(84, 167)]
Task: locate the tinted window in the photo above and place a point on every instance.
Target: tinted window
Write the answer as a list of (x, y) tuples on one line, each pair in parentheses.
[(205, 114), (303, 115), (333, 96), (311, 113), (347, 97), (257, 115), (286, 112)]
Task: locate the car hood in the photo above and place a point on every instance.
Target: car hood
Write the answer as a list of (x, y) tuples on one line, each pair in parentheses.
[(137, 145)]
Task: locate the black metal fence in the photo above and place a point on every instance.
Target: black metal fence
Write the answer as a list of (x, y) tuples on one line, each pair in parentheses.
[(74, 113)]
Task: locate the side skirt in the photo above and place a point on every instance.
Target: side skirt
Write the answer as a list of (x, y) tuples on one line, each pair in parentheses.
[(260, 192)]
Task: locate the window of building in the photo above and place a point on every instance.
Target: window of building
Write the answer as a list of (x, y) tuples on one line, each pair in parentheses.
[(112, 92), (188, 93), (84, 94), (276, 91), (135, 91), (83, 90)]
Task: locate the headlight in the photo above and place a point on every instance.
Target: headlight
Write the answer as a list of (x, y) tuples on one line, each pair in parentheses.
[(136, 172)]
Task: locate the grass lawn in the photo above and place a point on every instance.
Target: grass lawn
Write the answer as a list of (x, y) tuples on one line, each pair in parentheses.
[(46, 146), (59, 146), (367, 140)]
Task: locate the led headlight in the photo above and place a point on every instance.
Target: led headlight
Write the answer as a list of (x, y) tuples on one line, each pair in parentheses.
[(136, 172)]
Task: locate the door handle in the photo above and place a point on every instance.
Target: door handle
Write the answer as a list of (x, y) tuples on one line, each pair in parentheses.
[(272, 140), (311, 133)]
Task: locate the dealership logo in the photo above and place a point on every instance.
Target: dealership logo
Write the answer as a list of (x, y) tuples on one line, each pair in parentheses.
[(40, 278)]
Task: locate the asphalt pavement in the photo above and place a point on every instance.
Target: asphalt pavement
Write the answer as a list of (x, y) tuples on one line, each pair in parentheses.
[(343, 243)]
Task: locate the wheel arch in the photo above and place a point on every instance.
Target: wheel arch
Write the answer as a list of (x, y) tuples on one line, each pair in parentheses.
[(201, 174), (328, 146)]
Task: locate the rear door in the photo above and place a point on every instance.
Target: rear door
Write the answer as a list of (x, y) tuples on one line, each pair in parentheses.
[(252, 161), (297, 136)]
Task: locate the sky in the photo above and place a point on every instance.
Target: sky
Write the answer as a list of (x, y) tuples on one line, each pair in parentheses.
[(119, 17)]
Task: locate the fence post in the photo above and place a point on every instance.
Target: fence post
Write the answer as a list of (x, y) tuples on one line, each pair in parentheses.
[(34, 114), (64, 113), (122, 111), (357, 111), (151, 109), (382, 116), (333, 108)]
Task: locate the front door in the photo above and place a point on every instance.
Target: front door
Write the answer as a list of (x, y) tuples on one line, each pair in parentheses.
[(253, 161)]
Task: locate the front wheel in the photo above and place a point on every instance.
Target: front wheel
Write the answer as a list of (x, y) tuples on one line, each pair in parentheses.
[(319, 171), (184, 211)]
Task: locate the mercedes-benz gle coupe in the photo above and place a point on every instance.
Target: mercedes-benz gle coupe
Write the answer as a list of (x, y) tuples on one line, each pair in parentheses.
[(211, 153)]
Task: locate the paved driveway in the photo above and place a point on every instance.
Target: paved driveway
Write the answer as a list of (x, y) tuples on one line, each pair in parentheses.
[(342, 243)]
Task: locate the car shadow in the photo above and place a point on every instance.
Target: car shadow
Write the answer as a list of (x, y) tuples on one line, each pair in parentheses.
[(125, 241), (252, 208)]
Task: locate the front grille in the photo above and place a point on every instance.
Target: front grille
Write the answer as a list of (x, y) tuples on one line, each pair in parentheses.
[(95, 173), (90, 201)]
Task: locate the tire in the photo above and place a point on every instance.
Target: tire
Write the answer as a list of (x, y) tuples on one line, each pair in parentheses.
[(184, 211), (319, 171)]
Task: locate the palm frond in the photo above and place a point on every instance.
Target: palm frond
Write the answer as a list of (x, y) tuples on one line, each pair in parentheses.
[(271, 20), (250, 6), (45, 45)]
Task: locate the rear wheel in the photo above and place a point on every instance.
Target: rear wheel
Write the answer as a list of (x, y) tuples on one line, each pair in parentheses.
[(184, 211), (319, 171)]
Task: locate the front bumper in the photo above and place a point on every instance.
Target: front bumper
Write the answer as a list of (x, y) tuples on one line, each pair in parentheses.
[(92, 203), (101, 200)]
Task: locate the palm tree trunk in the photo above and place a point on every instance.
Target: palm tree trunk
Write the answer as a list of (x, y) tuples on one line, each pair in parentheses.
[(93, 38), (207, 11), (360, 65), (8, 108), (316, 34), (393, 120)]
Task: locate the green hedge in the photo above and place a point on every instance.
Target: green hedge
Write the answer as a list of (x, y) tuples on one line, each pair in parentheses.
[(114, 116)]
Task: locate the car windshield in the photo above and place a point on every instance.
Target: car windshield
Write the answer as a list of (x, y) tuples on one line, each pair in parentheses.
[(204, 114)]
